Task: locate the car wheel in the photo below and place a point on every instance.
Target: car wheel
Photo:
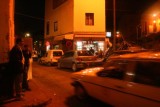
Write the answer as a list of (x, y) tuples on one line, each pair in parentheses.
[(40, 61), (80, 92), (74, 67), (59, 65), (49, 63)]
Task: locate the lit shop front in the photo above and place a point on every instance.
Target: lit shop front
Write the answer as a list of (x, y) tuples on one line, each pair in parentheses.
[(85, 42), (96, 45)]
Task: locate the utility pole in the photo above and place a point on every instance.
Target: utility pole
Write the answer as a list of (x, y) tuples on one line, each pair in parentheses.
[(114, 25)]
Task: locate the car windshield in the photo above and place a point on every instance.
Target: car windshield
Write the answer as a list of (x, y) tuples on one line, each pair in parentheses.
[(57, 53), (84, 53)]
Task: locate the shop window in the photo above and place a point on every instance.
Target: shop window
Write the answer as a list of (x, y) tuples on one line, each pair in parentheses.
[(79, 45), (89, 19), (101, 46), (55, 26)]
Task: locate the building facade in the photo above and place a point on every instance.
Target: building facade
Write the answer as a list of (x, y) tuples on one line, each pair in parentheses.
[(75, 24), (150, 21)]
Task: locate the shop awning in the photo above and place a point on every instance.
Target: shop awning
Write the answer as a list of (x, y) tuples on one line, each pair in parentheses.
[(94, 36), (66, 36)]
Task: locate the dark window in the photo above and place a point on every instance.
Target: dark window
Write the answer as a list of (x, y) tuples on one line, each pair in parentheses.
[(147, 73), (71, 54), (47, 28), (89, 19), (55, 26), (113, 69), (68, 54), (57, 53)]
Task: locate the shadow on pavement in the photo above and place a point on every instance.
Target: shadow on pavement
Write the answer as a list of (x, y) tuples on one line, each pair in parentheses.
[(72, 101)]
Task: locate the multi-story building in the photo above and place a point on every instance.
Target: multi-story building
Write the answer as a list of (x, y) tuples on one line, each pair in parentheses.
[(75, 24), (150, 26)]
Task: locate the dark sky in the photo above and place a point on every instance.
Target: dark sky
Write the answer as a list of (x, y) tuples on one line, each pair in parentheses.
[(29, 17), (29, 14), (125, 7)]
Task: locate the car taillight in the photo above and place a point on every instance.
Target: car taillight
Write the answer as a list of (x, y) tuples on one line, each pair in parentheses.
[(79, 59)]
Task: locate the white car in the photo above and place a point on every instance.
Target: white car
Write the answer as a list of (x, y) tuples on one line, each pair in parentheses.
[(51, 57), (128, 80)]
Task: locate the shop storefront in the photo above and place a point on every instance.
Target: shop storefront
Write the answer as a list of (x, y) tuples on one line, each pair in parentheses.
[(85, 42), (79, 42), (96, 45)]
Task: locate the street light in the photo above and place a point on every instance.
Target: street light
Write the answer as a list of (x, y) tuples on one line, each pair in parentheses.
[(27, 35)]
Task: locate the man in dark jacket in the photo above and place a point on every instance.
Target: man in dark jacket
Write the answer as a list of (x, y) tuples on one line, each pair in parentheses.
[(27, 56), (16, 64)]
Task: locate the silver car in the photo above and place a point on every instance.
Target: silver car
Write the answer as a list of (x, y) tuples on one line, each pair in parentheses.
[(77, 60)]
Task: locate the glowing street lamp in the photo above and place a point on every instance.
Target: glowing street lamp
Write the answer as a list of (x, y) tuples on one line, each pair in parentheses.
[(27, 35), (154, 15), (117, 34)]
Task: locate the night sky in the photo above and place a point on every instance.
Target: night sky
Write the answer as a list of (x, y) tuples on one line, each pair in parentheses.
[(29, 14), (29, 17), (125, 7)]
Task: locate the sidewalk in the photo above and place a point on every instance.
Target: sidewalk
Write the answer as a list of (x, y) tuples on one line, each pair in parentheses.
[(37, 97)]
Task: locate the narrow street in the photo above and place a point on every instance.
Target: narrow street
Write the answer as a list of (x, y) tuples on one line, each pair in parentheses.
[(56, 82)]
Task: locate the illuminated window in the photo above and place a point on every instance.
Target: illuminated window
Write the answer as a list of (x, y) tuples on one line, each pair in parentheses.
[(55, 26), (101, 46), (47, 28), (89, 19), (79, 45)]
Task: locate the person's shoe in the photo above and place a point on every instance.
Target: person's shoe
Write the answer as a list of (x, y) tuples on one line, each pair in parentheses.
[(28, 89), (19, 98)]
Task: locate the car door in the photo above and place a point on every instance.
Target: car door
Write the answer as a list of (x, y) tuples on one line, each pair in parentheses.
[(139, 83), (66, 60), (111, 82), (144, 86), (69, 59), (108, 84)]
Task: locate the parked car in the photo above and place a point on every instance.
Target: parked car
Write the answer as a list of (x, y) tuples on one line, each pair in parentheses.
[(77, 60), (51, 57), (34, 55), (110, 52), (127, 80)]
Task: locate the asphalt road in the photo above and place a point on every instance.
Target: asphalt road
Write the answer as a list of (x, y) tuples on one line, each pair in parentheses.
[(57, 84)]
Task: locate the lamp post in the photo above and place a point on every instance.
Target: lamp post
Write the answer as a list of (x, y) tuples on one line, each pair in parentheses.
[(114, 25)]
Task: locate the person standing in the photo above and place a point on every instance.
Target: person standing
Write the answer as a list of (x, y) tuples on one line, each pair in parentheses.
[(91, 50), (100, 54), (16, 64), (27, 55)]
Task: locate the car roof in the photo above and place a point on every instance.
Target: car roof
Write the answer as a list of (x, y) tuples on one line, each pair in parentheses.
[(150, 55)]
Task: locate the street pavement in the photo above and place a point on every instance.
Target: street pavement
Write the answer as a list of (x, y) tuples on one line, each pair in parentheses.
[(37, 97)]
